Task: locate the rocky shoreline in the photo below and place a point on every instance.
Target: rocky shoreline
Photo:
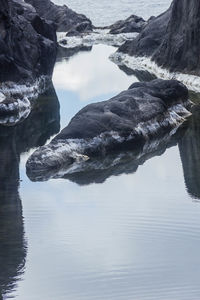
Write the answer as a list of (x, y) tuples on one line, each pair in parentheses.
[(168, 46), (27, 72)]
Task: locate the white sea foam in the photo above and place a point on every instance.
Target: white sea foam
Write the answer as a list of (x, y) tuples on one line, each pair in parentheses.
[(146, 64), (99, 36)]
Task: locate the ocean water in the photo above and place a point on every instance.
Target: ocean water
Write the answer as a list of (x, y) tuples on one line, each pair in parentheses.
[(105, 12), (127, 232)]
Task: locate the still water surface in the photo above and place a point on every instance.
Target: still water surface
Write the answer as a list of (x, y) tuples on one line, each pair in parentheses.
[(133, 236)]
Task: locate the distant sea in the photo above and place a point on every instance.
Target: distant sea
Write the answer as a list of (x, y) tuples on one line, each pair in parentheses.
[(106, 12)]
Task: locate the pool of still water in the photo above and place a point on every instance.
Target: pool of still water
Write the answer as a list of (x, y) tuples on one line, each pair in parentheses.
[(135, 236)]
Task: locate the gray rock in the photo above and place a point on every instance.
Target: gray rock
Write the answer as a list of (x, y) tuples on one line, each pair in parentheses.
[(131, 24), (150, 38), (65, 18), (172, 39), (142, 112), (27, 43)]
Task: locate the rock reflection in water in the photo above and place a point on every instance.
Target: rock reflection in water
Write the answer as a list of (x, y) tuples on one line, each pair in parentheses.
[(189, 147), (67, 53), (139, 74), (43, 122), (98, 169)]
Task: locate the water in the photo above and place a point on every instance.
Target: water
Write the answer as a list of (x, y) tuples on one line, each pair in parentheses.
[(105, 12), (128, 232)]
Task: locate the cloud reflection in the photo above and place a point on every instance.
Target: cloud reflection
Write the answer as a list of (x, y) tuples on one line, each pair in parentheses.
[(91, 74)]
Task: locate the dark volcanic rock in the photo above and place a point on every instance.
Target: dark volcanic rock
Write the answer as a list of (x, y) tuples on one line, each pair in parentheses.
[(99, 169), (27, 43), (142, 102), (131, 24), (180, 47), (151, 37), (172, 39), (65, 18), (143, 111)]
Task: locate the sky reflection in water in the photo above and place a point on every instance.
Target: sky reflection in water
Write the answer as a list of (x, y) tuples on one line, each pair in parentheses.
[(134, 237)]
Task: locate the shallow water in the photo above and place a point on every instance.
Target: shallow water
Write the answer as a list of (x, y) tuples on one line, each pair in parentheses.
[(134, 235)]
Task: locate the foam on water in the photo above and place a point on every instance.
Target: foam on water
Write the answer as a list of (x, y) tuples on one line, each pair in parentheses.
[(99, 36), (146, 64)]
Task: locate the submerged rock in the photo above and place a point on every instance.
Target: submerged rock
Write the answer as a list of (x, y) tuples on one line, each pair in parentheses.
[(150, 38), (142, 112), (180, 47), (99, 169), (65, 18)]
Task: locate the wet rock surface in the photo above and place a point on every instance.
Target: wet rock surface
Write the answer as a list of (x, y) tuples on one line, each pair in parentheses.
[(27, 43), (172, 39), (129, 119), (65, 18), (150, 38), (131, 24)]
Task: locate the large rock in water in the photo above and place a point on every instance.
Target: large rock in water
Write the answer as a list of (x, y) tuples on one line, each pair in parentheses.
[(27, 43), (172, 39), (180, 47), (65, 18), (143, 111), (150, 38)]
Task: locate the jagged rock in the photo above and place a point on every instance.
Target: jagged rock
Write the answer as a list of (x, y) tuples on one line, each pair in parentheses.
[(28, 48), (99, 169), (172, 39), (65, 18), (27, 43), (131, 24), (143, 111), (180, 47), (150, 38)]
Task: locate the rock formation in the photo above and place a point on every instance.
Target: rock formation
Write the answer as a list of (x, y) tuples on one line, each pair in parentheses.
[(180, 47), (131, 24), (27, 43), (150, 38), (65, 18), (172, 39), (130, 118)]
